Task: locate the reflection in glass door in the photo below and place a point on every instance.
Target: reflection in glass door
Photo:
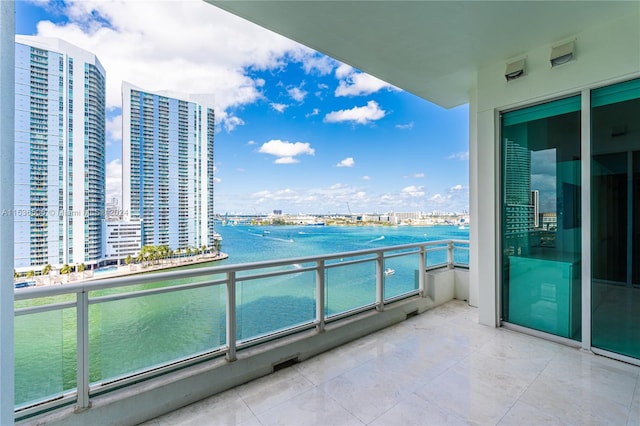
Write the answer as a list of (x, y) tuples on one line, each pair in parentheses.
[(541, 217), (615, 229)]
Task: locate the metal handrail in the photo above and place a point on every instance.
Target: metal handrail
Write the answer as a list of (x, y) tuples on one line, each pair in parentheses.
[(229, 276)]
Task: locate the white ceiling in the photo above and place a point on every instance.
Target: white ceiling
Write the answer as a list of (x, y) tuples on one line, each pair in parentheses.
[(429, 48)]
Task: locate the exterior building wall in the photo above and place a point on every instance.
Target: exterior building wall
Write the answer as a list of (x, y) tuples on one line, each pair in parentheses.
[(121, 239), (605, 54), (168, 167), (59, 157)]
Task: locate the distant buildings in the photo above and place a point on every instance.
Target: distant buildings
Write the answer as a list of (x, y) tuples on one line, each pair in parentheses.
[(167, 156), (60, 212), (59, 154), (520, 210), (121, 238)]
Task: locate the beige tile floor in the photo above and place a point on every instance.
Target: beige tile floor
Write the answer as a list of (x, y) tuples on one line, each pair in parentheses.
[(438, 368)]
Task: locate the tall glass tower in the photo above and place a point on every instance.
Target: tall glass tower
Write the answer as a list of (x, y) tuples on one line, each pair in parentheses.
[(167, 165), (59, 154)]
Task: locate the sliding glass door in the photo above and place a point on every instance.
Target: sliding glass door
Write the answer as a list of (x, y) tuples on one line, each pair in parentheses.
[(615, 229), (541, 224)]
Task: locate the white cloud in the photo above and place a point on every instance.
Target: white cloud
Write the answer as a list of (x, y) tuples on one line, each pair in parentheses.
[(231, 122), (286, 160), (286, 151), (354, 83), (359, 115), (297, 94), (279, 196), (413, 191), (407, 126), (114, 129), (113, 181), (438, 199), (454, 199), (278, 107), (318, 64), (344, 70), (365, 177), (315, 111), (251, 142), (347, 162), (415, 176), (153, 48), (462, 156)]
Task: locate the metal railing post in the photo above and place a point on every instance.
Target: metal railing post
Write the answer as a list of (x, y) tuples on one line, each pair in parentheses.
[(320, 302), (82, 327), (379, 281), (422, 271), (231, 316), (450, 255)]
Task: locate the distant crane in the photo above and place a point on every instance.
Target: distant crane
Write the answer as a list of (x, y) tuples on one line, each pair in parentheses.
[(349, 208)]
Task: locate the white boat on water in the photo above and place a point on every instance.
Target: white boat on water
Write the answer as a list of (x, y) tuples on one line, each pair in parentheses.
[(389, 271)]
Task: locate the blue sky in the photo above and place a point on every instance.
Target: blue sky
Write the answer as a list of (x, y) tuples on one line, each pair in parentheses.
[(296, 131)]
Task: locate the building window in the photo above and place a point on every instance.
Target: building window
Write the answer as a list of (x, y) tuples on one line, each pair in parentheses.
[(541, 217)]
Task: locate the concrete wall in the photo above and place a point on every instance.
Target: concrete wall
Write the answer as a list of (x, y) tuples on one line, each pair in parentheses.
[(443, 285), (604, 54)]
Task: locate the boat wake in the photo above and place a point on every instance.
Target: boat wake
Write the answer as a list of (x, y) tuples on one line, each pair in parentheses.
[(380, 238)]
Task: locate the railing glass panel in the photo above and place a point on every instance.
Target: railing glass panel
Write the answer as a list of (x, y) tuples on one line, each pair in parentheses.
[(269, 305), (401, 275), (349, 287), (436, 257), (135, 334), (45, 355)]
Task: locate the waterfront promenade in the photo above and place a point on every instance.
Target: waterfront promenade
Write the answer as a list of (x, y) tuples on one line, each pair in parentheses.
[(124, 270)]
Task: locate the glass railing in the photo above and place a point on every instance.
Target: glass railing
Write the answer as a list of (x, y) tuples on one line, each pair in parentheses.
[(73, 341)]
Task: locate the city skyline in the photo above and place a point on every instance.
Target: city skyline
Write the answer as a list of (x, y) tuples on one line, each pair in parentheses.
[(295, 130)]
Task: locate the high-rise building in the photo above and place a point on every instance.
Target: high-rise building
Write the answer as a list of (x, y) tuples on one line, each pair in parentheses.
[(167, 164), (59, 154)]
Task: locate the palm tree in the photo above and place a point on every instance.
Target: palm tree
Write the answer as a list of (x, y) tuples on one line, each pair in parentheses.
[(46, 269)]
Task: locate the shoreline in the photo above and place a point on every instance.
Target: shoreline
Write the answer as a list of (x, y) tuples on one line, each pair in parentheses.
[(126, 270)]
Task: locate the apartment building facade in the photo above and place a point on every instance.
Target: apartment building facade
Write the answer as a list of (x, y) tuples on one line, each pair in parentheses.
[(59, 154), (168, 169)]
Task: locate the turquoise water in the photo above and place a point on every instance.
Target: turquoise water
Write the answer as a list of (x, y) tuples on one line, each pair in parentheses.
[(131, 335), (251, 243)]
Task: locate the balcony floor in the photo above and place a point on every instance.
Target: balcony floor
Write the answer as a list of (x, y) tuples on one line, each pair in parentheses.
[(437, 368)]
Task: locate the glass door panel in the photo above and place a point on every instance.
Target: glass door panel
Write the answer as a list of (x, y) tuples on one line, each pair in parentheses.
[(541, 217), (615, 229)]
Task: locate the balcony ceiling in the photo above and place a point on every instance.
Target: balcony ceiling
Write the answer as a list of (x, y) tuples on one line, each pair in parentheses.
[(429, 48)]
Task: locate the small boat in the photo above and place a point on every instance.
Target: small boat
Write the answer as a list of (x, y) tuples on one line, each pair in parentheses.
[(389, 271)]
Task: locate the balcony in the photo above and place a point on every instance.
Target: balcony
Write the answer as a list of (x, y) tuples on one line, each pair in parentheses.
[(440, 367), (253, 318)]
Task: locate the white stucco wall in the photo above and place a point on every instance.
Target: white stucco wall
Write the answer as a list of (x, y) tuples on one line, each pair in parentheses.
[(604, 54)]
